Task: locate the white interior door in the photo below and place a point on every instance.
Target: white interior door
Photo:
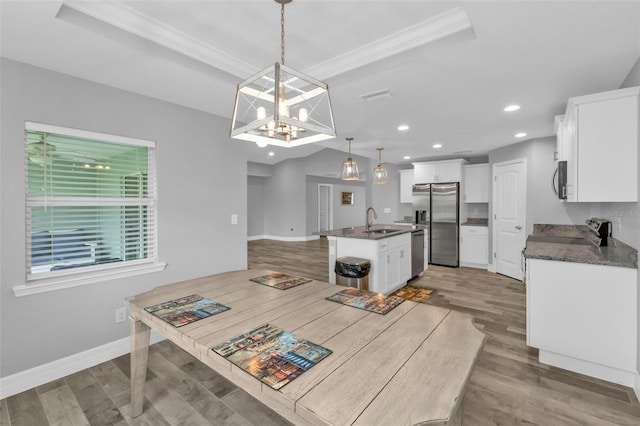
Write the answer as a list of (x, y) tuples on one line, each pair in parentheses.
[(509, 195), (325, 213)]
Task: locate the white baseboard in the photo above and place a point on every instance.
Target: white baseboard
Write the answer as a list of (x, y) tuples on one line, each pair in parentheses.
[(274, 237), (491, 268), (603, 372), (54, 370), (474, 265), (636, 386)]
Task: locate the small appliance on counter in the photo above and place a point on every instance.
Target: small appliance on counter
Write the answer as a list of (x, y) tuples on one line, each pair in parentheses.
[(600, 227)]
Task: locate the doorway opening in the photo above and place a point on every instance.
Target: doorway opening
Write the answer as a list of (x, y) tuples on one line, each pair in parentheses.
[(325, 207)]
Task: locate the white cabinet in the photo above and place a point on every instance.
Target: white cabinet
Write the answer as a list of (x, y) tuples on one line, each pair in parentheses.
[(394, 261), (563, 142), (583, 317), (474, 246), (599, 141), (438, 171), (390, 259), (406, 185), (476, 183)]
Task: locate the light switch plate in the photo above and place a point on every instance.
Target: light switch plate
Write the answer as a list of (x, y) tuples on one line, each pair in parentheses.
[(234, 219), (387, 210)]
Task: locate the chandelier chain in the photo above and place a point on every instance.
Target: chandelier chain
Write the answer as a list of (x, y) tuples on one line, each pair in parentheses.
[(282, 31)]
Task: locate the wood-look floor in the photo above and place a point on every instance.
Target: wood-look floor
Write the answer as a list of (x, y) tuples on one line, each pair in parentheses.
[(508, 386)]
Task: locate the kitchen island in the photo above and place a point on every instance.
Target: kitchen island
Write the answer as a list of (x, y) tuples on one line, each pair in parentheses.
[(582, 302), (386, 247), (407, 367)]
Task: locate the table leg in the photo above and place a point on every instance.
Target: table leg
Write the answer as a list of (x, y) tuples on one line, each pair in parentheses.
[(140, 333)]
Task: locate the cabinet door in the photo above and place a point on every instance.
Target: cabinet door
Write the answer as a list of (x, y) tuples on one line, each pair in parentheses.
[(476, 183), (404, 264), (380, 273), (570, 145), (425, 173), (449, 172), (392, 260), (406, 186), (473, 246), (608, 150)]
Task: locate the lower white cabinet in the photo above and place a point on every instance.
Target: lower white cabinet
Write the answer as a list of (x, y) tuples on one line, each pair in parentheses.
[(474, 246), (583, 317), (390, 259)]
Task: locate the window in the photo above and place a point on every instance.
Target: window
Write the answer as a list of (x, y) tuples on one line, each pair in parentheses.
[(90, 206)]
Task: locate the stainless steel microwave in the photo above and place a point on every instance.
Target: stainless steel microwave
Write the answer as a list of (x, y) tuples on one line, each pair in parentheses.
[(562, 180)]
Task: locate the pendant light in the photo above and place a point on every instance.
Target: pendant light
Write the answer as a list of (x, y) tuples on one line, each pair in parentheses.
[(380, 174), (350, 167), (281, 106)]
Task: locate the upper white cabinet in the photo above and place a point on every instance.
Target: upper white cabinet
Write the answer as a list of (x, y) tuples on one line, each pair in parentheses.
[(406, 185), (563, 144), (599, 141), (438, 171), (476, 183)]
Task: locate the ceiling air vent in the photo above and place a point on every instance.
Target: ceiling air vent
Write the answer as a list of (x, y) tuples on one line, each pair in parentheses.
[(376, 96)]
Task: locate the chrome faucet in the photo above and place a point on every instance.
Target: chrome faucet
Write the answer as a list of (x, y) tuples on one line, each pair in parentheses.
[(375, 216)]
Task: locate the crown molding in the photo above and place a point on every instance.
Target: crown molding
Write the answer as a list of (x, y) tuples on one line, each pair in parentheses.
[(126, 18), (420, 34)]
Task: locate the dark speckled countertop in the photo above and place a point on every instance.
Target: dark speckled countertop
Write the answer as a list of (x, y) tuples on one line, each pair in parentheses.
[(616, 253), (476, 221), (361, 232)]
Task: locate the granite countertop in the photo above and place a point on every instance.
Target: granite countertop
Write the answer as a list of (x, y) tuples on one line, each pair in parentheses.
[(476, 222), (576, 249), (361, 232)]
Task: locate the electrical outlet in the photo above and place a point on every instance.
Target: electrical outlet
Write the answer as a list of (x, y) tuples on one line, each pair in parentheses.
[(121, 315)]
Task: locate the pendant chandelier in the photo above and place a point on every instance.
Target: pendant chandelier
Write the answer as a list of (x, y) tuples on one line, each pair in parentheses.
[(281, 106), (350, 167), (380, 174)]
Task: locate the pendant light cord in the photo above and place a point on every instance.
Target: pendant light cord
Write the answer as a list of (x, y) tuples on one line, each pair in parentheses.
[(282, 31)]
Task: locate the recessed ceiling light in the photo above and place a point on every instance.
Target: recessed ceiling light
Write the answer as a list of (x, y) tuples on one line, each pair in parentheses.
[(437, 145), (271, 154), (512, 108), (520, 135), (407, 157), (403, 127)]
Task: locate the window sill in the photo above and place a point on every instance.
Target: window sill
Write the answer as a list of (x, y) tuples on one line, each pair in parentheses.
[(69, 281)]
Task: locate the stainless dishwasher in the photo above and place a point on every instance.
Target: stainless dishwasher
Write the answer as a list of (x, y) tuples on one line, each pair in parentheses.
[(417, 253)]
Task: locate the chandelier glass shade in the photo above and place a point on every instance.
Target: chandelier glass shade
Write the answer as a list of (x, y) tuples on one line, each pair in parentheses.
[(349, 167), (281, 106), (380, 174)]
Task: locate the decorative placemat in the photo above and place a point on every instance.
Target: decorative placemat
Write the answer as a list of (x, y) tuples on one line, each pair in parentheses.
[(367, 300), (280, 280), (414, 294), (273, 356), (185, 310)]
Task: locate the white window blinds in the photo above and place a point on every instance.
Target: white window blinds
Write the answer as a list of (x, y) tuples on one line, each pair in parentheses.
[(90, 201)]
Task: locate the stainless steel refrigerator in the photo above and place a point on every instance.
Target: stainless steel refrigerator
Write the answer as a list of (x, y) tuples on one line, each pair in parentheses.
[(441, 202)]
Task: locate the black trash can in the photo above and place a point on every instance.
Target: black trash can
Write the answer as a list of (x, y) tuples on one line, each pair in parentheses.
[(353, 272)]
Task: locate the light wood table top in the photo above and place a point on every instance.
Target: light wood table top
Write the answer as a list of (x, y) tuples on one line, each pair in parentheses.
[(407, 367)]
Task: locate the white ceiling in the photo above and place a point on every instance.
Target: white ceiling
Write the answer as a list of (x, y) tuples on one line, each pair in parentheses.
[(450, 66)]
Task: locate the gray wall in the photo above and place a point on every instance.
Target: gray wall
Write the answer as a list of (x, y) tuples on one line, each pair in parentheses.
[(542, 206), (201, 182), (255, 205), (289, 192)]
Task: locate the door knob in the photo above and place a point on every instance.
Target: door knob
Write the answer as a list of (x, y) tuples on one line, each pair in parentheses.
[(518, 227)]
